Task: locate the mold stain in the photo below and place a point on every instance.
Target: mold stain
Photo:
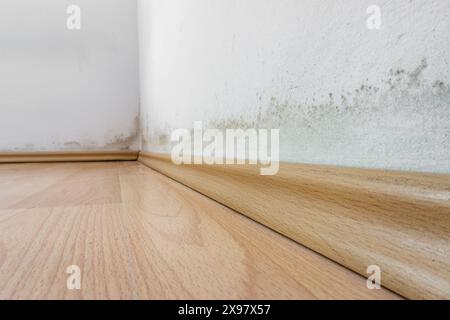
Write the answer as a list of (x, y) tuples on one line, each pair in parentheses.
[(72, 145), (402, 122), (117, 142), (144, 131), (163, 138), (121, 142), (239, 122), (125, 141), (407, 92)]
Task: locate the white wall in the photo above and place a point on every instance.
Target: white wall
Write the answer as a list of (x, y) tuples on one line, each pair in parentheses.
[(62, 89), (340, 93)]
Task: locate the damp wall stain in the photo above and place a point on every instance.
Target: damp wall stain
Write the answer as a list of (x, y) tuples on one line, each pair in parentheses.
[(125, 141), (401, 123), (68, 91), (112, 141), (72, 145), (121, 142)]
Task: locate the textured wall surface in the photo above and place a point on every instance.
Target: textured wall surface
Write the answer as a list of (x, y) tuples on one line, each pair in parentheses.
[(68, 90), (340, 93)]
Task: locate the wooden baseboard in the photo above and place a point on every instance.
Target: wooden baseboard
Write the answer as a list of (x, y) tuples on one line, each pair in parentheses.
[(63, 156), (399, 221)]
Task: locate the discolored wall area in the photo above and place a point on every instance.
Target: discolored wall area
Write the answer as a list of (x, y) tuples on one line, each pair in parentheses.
[(339, 93), (68, 90)]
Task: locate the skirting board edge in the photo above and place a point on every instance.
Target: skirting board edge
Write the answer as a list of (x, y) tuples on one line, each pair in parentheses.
[(67, 156), (396, 221)]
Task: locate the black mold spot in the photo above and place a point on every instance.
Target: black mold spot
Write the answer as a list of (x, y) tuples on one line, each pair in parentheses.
[(405, 95), (403, 121)]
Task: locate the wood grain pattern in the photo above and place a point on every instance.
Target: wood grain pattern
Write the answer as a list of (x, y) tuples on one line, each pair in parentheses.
[(137, 234), (67, 156), (399, 221)]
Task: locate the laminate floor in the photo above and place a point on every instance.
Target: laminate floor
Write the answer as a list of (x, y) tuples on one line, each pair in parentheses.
[(136, 234)]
